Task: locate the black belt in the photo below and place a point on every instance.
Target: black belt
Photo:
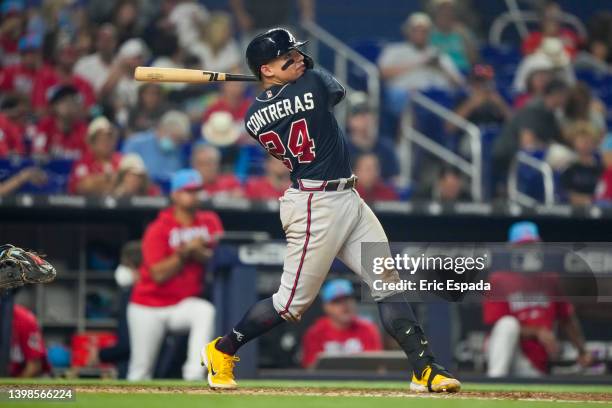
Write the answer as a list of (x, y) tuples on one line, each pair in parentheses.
[(331, 185)]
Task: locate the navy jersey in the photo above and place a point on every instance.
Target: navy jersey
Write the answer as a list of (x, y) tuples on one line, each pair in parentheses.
[(295, 123)]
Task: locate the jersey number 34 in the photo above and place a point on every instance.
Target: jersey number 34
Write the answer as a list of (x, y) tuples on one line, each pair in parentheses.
[(299, 144)]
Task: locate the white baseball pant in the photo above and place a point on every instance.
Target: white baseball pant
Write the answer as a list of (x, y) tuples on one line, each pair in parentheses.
[(319, 226), (149, 325), (504, 351)]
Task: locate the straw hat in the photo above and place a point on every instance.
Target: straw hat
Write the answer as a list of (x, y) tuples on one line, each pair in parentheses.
[(132, 163), (220, 129)]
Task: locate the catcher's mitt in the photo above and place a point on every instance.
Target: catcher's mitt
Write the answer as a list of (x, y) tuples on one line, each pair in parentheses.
[(18, 267)]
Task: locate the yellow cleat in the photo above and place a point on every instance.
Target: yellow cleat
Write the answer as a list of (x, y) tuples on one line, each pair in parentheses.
[(435, 379), (220, 366)]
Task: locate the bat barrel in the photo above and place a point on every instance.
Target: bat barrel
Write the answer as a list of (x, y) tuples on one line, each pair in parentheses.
[(154, 74)]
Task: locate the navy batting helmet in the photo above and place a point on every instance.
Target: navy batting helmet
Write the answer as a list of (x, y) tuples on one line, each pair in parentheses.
[(272, 44)]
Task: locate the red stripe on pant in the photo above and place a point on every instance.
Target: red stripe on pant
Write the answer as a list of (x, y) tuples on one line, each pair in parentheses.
[(304, 250)]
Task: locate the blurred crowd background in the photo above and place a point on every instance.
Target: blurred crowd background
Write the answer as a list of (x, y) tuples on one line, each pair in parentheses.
[(73, 120)]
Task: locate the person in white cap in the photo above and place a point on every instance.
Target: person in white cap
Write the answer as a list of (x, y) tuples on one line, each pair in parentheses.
[(133, 179), (95, 173), (120, 88), (414, 64), (550, 56)]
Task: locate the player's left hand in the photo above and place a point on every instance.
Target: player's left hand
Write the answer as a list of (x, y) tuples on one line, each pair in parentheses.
[(18, 267)]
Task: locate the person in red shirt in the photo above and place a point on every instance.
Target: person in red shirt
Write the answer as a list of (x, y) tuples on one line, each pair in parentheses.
[(370, 185), (62, 133), (270, 186), (66, 57), (340, 331), (20, 77), (522, 339), (206, 160), (11, 27), (14, 127), (174, 249), (28, 356), (231, 99), (96, 172), (551, 27)]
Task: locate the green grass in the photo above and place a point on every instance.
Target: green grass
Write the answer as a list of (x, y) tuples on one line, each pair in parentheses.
[(177, 399)]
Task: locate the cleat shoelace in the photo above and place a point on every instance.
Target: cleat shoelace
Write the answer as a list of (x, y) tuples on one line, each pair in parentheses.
[(227, 366)]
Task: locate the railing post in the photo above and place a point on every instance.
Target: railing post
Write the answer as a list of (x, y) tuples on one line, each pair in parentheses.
[(340, 71), (547, 176)]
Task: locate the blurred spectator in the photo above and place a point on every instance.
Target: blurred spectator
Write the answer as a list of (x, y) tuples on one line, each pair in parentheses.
[(133, 179), (62, 133), (448, 188), (600, 41), (95, 68), (96, 172), (31, 175), (535, 83), (415, 64), (188, 17), (580, 179), (370, 185), (84, 42), (522, 339), (483, 105), (20, 77), (160, 148), (532, 128), (166, 297), (549, 56), (451, 36), (582, 105), (340, 331), (28, 356), (121, 89), (65, 58), (170, 55), (11, 28), (222, 131), (160, 34), (216, 48), (150, 107), (363, 137), (255, 16), (603, 192), (231, 99), (12, 109), (206, 159), (551, 26), (125, 19), (270, 186)]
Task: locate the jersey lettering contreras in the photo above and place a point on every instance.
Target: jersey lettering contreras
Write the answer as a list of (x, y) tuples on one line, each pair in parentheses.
[(294, 122)]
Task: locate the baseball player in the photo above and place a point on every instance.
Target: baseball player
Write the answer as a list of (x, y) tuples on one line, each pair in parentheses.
[(322, 214)]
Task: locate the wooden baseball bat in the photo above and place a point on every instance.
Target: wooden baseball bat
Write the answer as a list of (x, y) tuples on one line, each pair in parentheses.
[(193, 76)]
